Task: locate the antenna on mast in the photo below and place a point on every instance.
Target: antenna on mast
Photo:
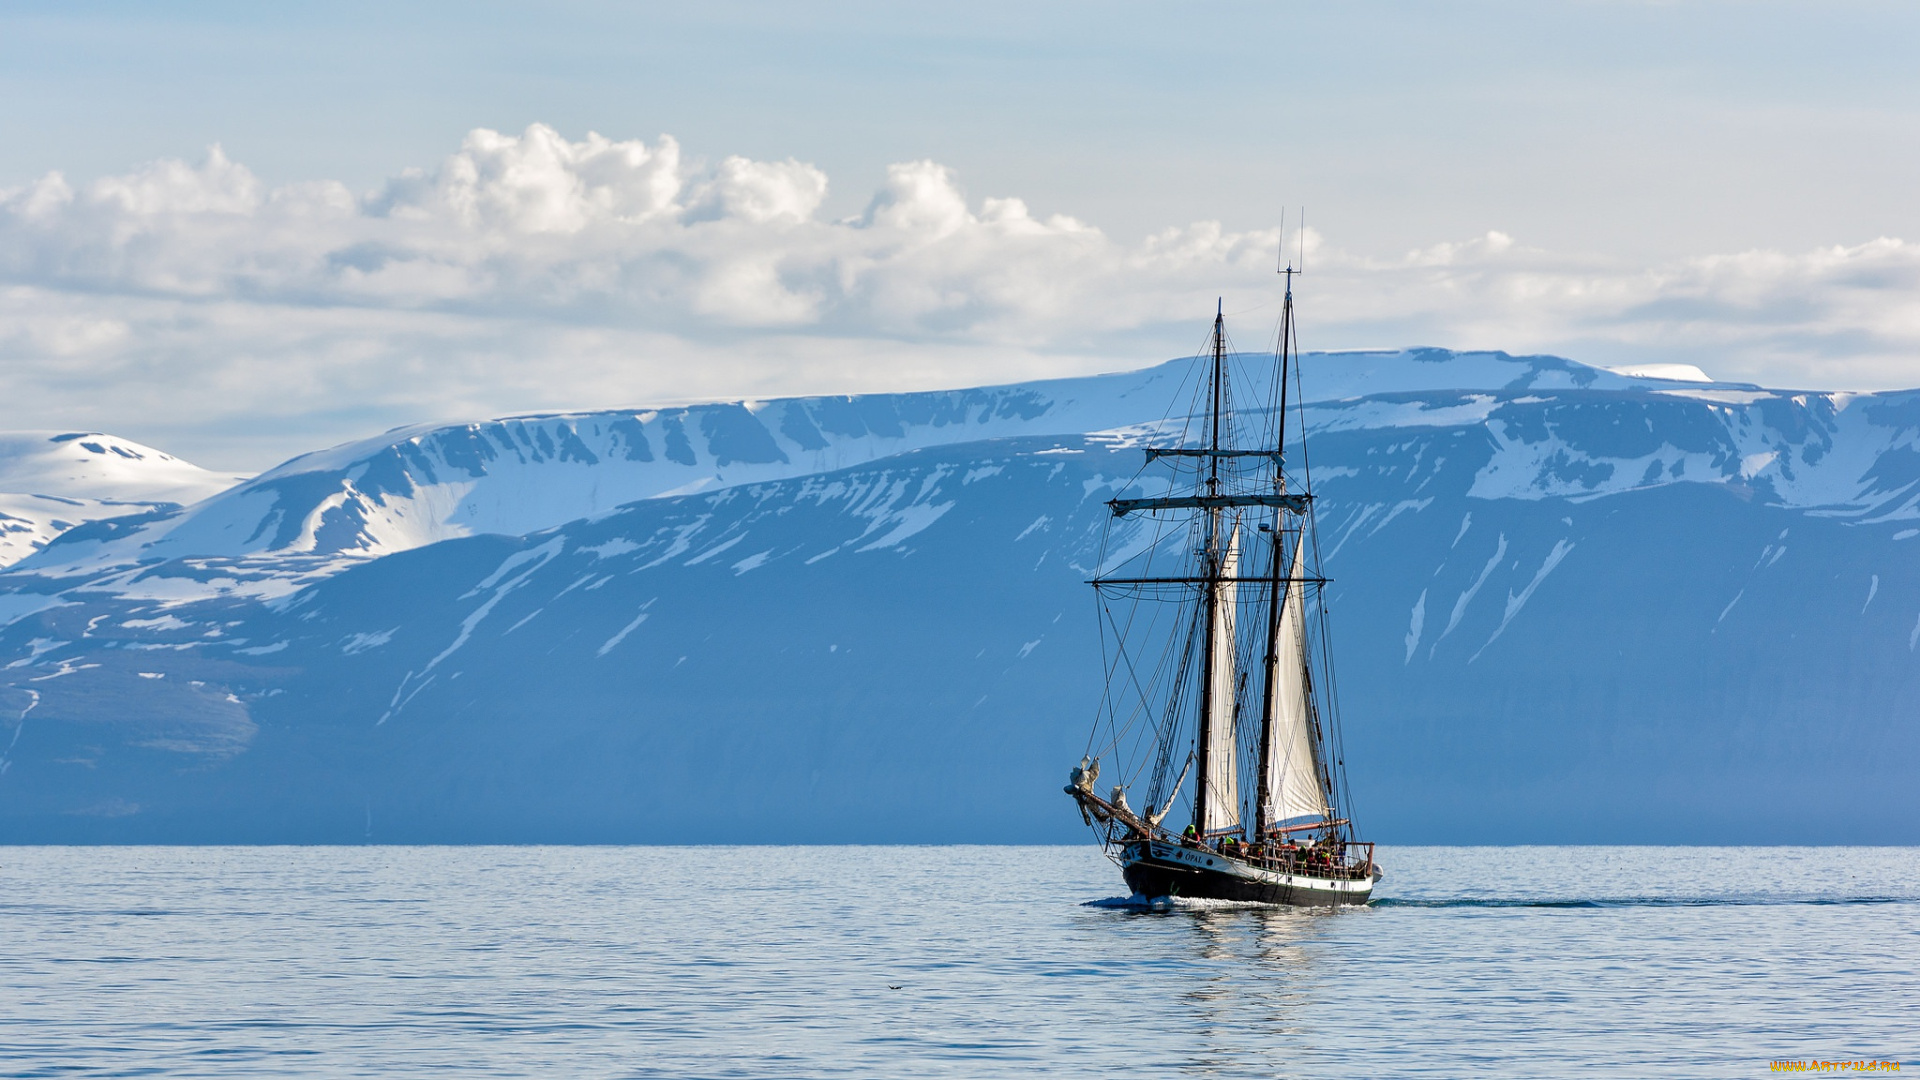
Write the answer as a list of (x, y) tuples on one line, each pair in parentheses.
[(1284, 266)]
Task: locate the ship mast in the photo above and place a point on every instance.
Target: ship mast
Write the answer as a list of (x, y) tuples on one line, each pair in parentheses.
[(1270, 664), (1210, 587)]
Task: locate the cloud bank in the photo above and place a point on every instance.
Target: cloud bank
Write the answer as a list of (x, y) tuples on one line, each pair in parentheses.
[(193, 306)]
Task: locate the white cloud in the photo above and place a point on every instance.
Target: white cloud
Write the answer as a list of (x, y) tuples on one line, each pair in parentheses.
[(166, 188), (538, 182), (605, 231), (759, 192), (1840, 317), (177, 302)]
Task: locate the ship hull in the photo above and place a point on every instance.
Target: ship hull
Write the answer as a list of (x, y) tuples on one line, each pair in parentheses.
[(1155, 869)]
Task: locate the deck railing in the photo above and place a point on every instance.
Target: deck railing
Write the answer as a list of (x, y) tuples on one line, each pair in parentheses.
[(1347, 860)]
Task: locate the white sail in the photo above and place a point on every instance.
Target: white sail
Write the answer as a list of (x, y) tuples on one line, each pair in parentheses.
[(1291, 788), (1223, 772)]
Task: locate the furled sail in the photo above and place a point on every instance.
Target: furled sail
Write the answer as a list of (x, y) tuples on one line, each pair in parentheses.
[(1292, 784), (1223, 772)]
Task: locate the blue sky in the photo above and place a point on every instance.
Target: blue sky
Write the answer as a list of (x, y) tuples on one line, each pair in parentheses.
[(1725, 184)]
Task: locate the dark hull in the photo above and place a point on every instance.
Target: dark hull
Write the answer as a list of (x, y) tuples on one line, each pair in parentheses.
[(1156, 869)]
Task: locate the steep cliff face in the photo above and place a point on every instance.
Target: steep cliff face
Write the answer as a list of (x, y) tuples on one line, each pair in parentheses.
[(1567, 605)]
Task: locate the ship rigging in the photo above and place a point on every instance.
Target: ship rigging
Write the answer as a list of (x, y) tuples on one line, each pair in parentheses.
[(1213, 579)]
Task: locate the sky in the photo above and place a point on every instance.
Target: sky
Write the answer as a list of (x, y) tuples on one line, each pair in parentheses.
[(239, 231)]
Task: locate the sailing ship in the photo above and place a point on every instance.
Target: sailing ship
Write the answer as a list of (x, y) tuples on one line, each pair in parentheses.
[(1199, 588)]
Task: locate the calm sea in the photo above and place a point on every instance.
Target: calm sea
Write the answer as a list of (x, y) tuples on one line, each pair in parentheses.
[(929, 961)]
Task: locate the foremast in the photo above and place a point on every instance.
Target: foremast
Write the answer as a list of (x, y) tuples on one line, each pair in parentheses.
[(1217, 668)]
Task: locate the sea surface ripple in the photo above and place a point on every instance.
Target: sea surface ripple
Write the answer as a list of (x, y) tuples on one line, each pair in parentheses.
[(943, 961)]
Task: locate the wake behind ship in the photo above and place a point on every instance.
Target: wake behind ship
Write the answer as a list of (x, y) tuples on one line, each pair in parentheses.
[(1217, 662)]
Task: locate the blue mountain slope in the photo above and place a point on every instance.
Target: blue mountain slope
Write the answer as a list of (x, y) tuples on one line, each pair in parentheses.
[(1600, 613)]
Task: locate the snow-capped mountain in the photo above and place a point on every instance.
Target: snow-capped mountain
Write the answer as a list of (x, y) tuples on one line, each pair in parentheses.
[(51, 481), (420, 485), (1570, 604)]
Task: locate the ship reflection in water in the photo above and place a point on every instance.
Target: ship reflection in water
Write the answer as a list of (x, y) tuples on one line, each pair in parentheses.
[(1253, 979), (1261, 985)]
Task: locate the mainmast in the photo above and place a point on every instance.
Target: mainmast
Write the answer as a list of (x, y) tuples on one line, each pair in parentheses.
[(1295, 781), (1270, 665)]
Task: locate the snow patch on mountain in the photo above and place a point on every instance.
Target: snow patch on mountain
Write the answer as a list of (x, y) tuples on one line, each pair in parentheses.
[(52, 481), (1675, 372), (1561, 549), (1800, 450), (90, 465), (1466, 597)]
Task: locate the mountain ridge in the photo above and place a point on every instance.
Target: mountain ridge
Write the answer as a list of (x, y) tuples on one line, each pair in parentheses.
[(409, 486), (1608, 609)]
